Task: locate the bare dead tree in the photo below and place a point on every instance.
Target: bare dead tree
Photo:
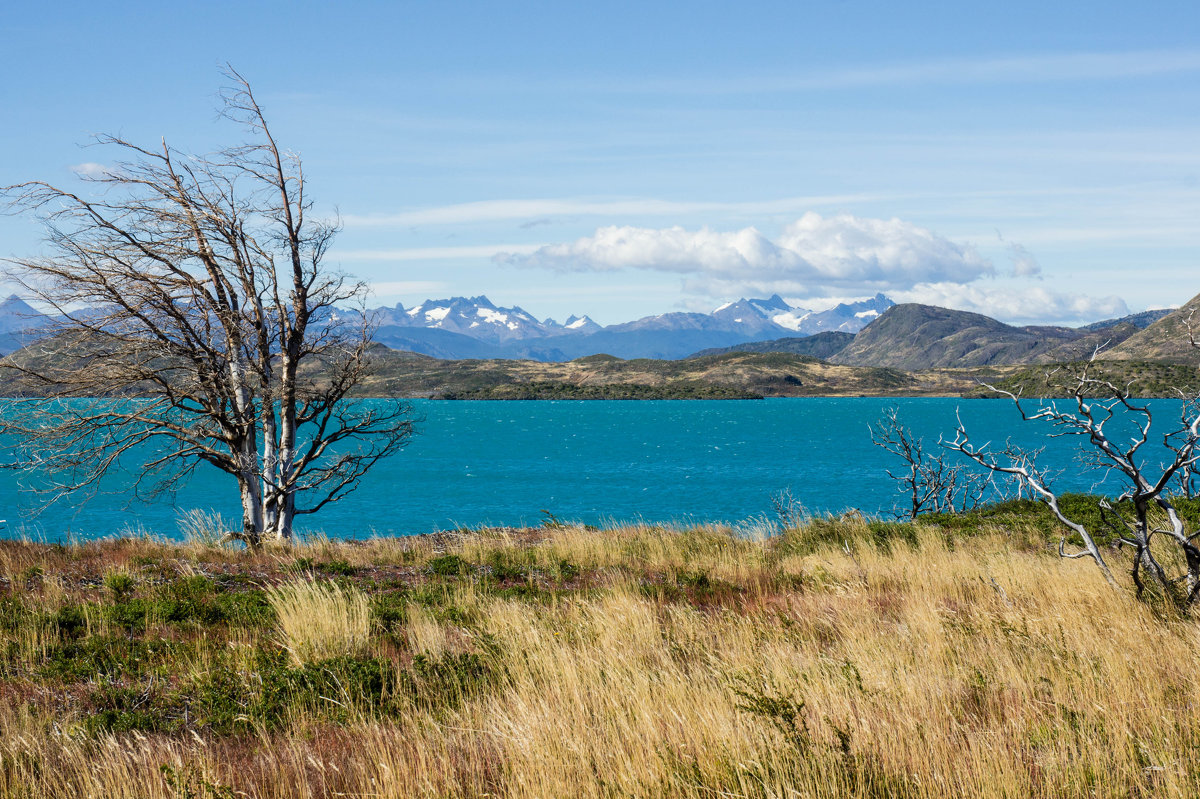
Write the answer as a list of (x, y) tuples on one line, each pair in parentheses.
[(194, 307), (1145, 476), (928, 483)]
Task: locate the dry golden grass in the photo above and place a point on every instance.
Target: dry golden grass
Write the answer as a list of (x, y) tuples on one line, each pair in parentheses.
[(645, 661), (320, 620)]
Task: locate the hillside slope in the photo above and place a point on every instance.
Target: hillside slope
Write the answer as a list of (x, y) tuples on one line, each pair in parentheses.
[(1165, 340), (715, 376), (912, 336), (818, 345), (915, 337)]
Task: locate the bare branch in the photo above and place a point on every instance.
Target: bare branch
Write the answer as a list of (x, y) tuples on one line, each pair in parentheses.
[(1096, 404)]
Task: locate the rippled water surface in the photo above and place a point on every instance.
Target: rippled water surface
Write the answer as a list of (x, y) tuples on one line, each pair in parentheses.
[(504, 462)]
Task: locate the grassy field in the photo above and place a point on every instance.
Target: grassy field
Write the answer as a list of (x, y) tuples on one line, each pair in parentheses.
[(838, 657)]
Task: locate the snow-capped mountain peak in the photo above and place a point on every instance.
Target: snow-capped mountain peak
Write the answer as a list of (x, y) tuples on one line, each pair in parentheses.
[(581, 324), (850, 317), (477, 317)]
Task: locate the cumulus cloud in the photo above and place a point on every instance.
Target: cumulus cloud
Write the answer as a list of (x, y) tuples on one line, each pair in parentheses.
[(812, 252), (1016, 303), (92, 171), (823, 256)]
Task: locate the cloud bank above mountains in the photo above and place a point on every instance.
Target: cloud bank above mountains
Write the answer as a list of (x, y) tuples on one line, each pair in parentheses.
[(818, 256), (814, 251)]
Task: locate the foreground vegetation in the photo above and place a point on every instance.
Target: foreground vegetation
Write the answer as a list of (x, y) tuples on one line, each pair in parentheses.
[(836, 657)]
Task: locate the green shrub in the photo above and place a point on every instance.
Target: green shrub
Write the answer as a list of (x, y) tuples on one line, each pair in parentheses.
[(502, 566), (108, 657), (389, 611), (120, 584), (445, 681), (567, 570), (447, 566), (70, 620), (338, 567)]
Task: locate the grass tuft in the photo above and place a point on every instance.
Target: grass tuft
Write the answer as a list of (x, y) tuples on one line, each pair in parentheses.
[(318, 621)]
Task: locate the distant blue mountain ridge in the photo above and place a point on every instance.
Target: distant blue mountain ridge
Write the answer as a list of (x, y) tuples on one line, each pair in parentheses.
[(459, 328)]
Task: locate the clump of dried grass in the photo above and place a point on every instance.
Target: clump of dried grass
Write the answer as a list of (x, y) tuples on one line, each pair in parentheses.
[(320, 620), (201, 527)]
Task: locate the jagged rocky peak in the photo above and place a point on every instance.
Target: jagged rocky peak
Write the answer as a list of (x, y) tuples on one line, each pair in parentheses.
[(768, 309), (477, 317), (772, 303), (582, 324)]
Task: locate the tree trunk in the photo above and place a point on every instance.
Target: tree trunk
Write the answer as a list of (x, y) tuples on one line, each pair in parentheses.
[(252, 511)]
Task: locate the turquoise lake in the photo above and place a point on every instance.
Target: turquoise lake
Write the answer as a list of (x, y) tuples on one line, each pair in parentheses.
[(503, 463)]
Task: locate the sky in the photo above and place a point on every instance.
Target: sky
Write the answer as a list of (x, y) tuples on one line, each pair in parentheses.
[(1037, 162)]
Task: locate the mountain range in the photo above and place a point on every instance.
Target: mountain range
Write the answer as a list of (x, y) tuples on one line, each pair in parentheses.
[(474, 327), (912, 337), (871, 333)]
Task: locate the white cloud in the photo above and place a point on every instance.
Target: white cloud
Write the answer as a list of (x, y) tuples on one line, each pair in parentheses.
[(841, 251), (92, 171), (1022, 304), (892, 252), (1024, 264)]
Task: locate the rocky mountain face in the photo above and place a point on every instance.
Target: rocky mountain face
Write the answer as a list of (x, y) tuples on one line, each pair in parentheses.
[(818, 345), (475, 317), (1141, 320)]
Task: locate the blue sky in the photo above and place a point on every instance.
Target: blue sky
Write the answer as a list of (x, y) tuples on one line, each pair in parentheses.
[(1037, 162)]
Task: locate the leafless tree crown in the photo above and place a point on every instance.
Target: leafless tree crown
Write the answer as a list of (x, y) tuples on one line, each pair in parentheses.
[(192, 304), (1116, 430), (927, 482)]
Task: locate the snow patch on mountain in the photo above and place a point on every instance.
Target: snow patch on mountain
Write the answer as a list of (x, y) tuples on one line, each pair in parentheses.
[(792, 320), (492, 316)]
